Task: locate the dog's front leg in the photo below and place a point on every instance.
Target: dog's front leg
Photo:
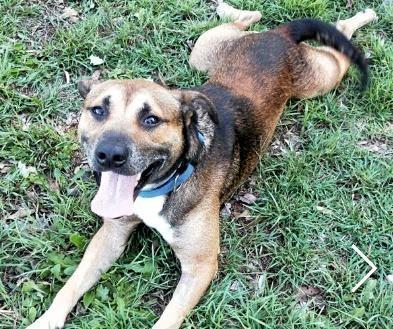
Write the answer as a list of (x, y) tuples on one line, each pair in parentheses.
[(197, 248), (105, 247)]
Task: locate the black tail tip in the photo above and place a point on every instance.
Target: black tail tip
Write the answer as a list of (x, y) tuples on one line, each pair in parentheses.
[(364, 75), (364, 82), (327, 34)]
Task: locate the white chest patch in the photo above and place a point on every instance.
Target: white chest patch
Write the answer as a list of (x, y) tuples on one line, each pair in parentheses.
[(148, 210)]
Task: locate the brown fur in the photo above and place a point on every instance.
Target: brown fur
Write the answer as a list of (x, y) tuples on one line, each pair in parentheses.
[(236, 111)]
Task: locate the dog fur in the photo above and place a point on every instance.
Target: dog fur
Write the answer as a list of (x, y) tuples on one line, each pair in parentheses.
[(252, 75)]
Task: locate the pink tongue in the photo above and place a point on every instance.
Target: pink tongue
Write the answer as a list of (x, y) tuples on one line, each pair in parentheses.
[(115, 197)]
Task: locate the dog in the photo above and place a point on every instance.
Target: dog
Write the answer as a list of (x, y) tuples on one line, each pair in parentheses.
[(170, 158)]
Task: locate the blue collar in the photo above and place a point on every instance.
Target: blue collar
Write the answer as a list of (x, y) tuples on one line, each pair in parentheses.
[(170, 185), (174, 182)]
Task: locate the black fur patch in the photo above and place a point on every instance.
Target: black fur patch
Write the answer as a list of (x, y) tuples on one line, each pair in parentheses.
[(327, 34)]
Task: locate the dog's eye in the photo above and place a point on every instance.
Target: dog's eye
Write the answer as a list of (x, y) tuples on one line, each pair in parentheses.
[(98, 111), (151, 121)]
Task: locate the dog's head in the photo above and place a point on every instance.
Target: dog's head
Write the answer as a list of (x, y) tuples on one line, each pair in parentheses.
[(138, 131)]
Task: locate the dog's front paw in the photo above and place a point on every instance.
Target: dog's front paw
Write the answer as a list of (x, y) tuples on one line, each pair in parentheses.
[(48, 321), (172, 322)]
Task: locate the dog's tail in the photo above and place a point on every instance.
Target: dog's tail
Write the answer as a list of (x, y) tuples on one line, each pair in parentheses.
[(313, 29)]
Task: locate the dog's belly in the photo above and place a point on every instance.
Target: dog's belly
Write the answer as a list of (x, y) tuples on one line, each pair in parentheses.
[(148, 210)]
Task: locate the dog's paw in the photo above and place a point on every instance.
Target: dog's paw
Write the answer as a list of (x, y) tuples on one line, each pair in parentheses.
[(47, 321), (169, 320), (247, 17), (371, 14)]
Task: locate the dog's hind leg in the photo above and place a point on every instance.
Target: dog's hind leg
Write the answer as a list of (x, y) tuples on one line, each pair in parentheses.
[(350, 25), (328, 66), (244, 18), (211, 45), (105, 247)]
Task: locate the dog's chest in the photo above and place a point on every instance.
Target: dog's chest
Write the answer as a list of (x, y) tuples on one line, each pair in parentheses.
[(148, 210)]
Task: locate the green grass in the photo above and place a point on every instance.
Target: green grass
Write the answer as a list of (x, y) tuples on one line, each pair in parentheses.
[(331, 189)]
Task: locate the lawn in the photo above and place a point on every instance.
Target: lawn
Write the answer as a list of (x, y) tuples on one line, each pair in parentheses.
[(286, 259)]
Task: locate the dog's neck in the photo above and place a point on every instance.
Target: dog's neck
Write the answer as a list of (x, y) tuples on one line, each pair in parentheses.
[(170, 184), (173, 179)]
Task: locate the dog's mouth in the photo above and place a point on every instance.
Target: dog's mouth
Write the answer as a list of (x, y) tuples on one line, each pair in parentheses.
[(116, 194)]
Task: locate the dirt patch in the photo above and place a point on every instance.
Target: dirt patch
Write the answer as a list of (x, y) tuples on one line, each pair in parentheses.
[(388, 129), (287, 140), (236, 206), (158, 300), (5, 167), (70, 122), (311, 298), (53, 15), (381, 146), (42, 27)]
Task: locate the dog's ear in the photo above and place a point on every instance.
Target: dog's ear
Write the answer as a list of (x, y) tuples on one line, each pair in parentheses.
[(199, 119), (199, 103), (84, 86)]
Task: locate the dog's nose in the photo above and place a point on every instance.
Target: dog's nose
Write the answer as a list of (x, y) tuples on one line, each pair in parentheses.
[(110, 155)]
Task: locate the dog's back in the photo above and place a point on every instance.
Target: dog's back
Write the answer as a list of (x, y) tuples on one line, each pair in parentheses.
[(257, 75), (274, 64)]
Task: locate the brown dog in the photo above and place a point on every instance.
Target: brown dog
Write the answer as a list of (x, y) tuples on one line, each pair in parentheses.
[(169, 158)]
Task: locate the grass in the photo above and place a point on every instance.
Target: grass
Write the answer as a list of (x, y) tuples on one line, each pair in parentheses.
[(326, 184)]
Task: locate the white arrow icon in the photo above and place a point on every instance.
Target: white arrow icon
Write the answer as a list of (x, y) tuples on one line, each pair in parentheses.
[(369, 262)]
